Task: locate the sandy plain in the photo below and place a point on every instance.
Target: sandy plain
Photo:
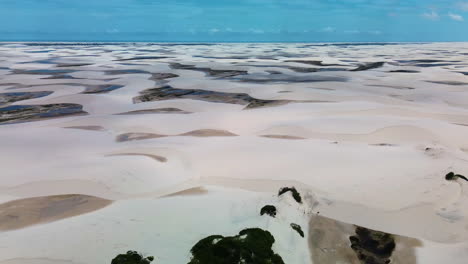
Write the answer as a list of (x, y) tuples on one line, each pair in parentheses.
[(151, 147)]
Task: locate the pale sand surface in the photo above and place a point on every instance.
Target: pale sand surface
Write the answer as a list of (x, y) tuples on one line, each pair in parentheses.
[(368, 148)]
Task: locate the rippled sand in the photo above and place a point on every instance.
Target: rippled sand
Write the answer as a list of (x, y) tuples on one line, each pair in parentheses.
[(192, 140)]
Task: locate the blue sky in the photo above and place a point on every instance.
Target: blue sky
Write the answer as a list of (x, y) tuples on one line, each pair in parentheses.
[(233, 20)]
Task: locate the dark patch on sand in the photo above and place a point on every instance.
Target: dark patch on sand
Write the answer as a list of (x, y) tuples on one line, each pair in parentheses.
[(61, 77), (282, 137), (104, 88), (6, 98), (313, 62), (253, 245), (38, 210), (392, 86), (449, 82), (162, 76), (424, 61), (26, 113), (298, 229), (42, 72), (208, 71), (144, 58), (126, 71), (209, 133), (166, 110), (287, 78), (404, 71), (372, 247), (136, 136), (90, 128), (269, 210), (63, 65), (383, 145), (168, 92), (369, 66)]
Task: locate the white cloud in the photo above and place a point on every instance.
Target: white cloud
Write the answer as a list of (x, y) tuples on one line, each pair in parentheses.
[(214, 30), (112, 30), (355, 31), (375, 32), (455, 17), (463, 6), (256, 31), (327, 29), (433, 15)]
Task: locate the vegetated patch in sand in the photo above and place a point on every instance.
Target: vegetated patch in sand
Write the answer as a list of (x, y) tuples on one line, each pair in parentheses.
[(369, 66), (26, 113), (313, 62), (91, 128), (209, 133), (208, 71), (38, 210), (252, 245), (329, 242), (449, 82), (136, 136), (104, 88), (125, 71), (6, 98), (167, 92), (132, 257), (282, 137), (164, 110)]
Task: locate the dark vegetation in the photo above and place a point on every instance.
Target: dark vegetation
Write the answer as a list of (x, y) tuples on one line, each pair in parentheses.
[(6, 98), (269, 210), (453, 177), (405, 71), (298, 229), (369, 66), (208, 71), (164, 110), (103, 88), (313, 62), (144, 58), (126, 71), (167, 92), (296, 195), (251, 246), (132, 257), (372, 247), (24, 113)]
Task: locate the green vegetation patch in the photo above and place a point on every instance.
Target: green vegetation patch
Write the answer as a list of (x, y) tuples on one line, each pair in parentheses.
[(269, 210), (372, 247), (296, 195), (298, 229), (132, 257), (251, 246), (453, 177)]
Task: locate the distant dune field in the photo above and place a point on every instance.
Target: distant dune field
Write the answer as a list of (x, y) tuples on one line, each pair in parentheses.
[(106, 148)]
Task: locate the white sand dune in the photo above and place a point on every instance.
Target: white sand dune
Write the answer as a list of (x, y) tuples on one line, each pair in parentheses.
[(211, 140)]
